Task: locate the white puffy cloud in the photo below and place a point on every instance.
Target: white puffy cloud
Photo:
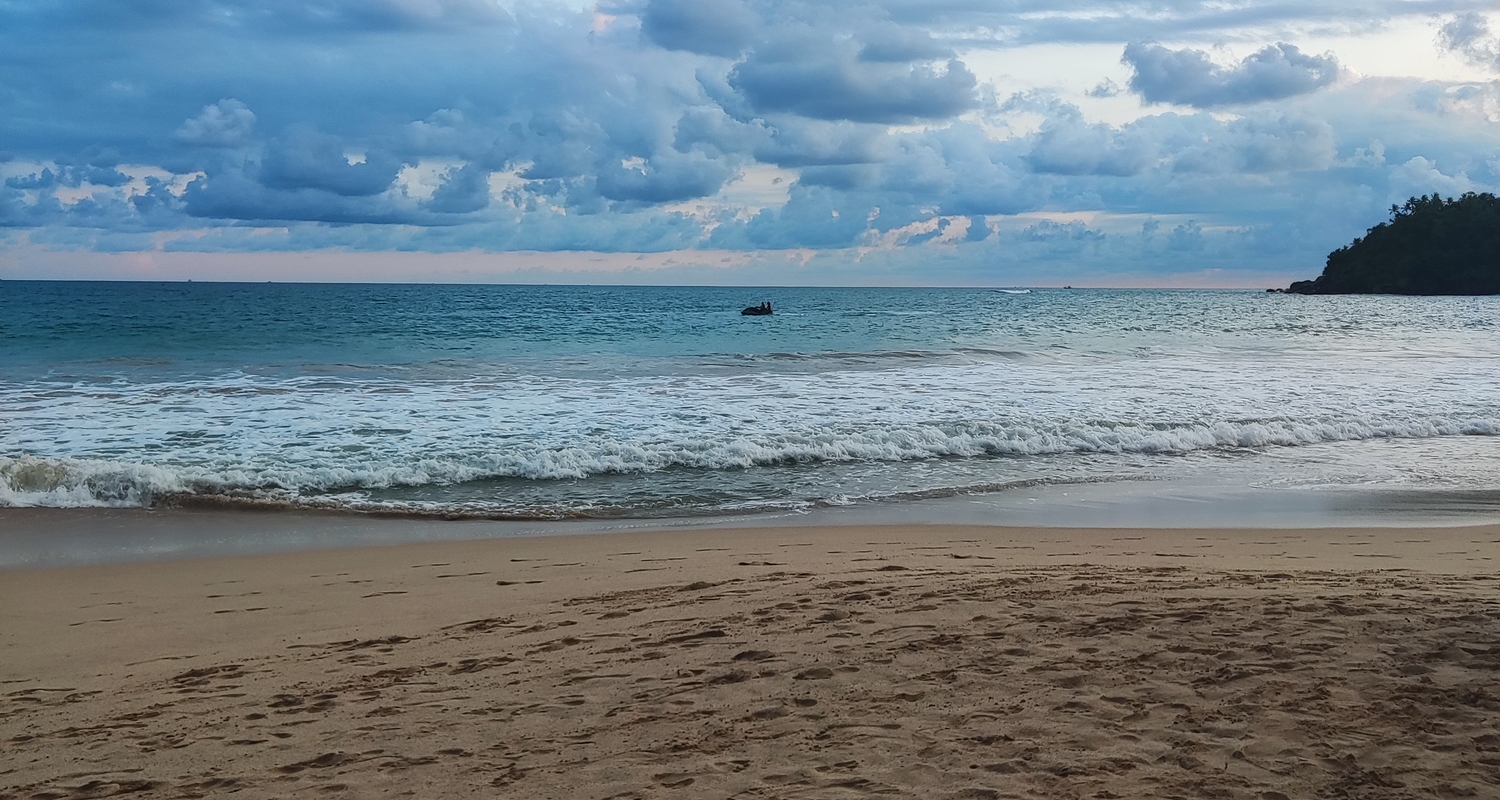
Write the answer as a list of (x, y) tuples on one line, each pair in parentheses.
[(227, 123), (1420, 176)]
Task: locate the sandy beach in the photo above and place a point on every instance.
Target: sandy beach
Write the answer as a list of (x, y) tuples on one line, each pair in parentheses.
[(914, 661)]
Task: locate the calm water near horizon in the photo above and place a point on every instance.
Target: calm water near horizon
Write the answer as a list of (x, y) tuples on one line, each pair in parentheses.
[(534, 403)]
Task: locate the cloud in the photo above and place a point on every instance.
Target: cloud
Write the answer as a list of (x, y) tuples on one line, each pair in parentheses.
[(826, 82), (1469, 36), (303, 16), (227, 123), (1067, 145), (69, 176), (893, 44), (463, 190), (635, 125), (1276, 143), (1186, 238), (814, 216), (667, 177), (304, 158), (1420, 175), (236, 197), (1105, 88), (1190, 78), (722, 28), (791, 141)]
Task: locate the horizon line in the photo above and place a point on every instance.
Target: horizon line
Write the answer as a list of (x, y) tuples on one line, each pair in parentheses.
[(995, 286)]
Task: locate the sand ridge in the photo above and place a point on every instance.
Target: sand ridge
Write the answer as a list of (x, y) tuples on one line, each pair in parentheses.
[(773, 664)]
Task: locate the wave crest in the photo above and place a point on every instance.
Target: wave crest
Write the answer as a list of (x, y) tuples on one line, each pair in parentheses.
[(74, 482), (83, 483)]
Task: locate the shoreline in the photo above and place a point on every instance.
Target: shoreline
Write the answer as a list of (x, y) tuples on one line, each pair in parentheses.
[(33, 537), (932, 660)]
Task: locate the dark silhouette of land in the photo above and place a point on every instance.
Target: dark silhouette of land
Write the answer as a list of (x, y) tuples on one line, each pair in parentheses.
[(1430, 246)]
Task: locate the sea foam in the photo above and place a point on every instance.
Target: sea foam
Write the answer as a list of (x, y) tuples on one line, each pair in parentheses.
[(76, 482)]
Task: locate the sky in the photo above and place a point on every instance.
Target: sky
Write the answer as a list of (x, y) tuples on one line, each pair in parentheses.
[(1231, 143)]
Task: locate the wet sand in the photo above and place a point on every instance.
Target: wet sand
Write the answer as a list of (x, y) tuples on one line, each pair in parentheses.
[(918, 660)]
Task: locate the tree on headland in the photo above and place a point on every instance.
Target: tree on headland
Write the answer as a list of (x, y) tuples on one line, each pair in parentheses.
[(1430, 246)]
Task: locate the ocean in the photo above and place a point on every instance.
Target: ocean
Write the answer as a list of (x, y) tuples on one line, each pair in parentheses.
[(577, 403)]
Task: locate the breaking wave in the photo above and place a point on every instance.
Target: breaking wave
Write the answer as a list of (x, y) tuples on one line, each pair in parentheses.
[(31, 481)]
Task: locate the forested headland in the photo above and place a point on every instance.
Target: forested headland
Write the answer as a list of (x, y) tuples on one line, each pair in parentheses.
[(1430, 246)]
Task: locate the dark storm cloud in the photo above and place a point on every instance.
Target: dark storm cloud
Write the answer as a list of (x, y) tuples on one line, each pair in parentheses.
[(1191, 78)]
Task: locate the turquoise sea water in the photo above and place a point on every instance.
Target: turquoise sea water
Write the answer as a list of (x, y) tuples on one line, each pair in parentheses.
[(577, 402)]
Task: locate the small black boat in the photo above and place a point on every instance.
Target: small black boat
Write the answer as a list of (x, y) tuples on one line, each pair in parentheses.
[(762, 310)]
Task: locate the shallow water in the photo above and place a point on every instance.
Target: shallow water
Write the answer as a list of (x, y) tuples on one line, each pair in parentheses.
[(588, 402)]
